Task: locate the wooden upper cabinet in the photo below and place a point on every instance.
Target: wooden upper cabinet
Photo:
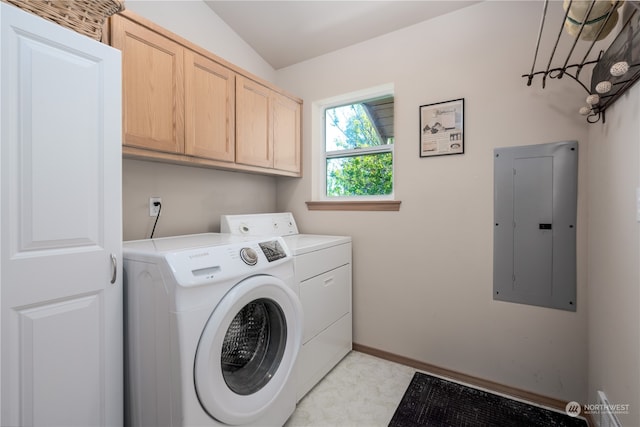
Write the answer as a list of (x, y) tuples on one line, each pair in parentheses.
[(286, 133), (182, 104), (267, 127), (254, 144), (209, 108), (153, 87)]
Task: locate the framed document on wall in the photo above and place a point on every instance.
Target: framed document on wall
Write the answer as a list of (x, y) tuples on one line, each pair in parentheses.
[(442, 128)]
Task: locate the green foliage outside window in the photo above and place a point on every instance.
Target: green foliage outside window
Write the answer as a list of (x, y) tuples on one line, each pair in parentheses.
[(370, 173), (360, 175)]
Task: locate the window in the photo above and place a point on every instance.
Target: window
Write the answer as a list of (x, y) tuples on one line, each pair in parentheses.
[(353, 151), (357, 155), (359, 149)]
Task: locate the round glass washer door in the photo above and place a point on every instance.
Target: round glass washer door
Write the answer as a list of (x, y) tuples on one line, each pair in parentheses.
[(248, 349)]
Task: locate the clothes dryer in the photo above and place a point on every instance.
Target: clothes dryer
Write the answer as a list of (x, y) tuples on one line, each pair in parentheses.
[(323, 273), (213, 331)]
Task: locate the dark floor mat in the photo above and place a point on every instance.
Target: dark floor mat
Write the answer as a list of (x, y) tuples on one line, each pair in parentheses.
[(431, 401)]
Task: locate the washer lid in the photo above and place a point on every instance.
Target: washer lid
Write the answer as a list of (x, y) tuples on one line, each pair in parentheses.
[(164, 245), (303, 243), (260, 316)]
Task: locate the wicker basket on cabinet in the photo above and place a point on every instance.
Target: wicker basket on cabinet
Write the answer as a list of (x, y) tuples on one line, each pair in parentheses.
[(84, 16)]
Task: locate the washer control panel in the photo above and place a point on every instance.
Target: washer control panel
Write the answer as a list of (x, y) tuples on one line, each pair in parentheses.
[(223, 258), (273, 250), (269, 224)]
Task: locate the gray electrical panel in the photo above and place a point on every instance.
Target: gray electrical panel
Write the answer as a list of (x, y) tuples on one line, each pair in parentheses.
[(534, 240)]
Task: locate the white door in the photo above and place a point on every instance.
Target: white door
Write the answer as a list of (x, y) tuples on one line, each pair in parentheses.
[(60, 226)]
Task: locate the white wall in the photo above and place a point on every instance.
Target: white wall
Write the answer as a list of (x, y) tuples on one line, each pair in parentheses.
[(614, 252), (196, 22), (193, 198), (423, 275)]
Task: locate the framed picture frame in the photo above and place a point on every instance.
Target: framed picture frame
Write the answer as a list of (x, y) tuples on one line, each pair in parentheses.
[(442, 128)]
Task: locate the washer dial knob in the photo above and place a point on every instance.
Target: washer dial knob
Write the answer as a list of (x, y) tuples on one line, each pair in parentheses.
[(249, 256)]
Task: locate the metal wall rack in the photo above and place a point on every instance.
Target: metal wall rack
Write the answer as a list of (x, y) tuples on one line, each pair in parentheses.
[(614, 70)]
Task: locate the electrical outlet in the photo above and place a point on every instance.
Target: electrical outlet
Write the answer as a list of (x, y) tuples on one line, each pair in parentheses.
[(154, 210)]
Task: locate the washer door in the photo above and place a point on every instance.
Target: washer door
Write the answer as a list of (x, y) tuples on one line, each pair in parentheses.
[(248, 349)]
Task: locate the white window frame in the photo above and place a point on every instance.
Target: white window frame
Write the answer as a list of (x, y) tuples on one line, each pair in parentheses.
[(319, 154)]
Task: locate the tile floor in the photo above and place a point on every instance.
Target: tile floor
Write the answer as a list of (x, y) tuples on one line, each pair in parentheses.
[(361, 391)]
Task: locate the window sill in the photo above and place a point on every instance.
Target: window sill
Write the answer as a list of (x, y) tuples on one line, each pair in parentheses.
[(382, 205)]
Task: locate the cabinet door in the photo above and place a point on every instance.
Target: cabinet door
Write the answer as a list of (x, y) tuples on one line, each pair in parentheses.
[(209, 108), (60, 228), (153, 87), (254, 140), (286, 133)]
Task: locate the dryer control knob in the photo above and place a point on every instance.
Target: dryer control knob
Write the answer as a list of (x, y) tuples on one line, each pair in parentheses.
[(249, 256)]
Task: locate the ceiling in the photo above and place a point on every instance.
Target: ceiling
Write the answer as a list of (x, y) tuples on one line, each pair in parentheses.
[(288, 32)]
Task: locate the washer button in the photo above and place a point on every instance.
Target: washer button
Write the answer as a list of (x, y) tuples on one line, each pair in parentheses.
[(249, 256)]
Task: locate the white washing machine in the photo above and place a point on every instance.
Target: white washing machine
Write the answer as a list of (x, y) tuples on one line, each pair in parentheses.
[(213, 331), (322, 266)]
